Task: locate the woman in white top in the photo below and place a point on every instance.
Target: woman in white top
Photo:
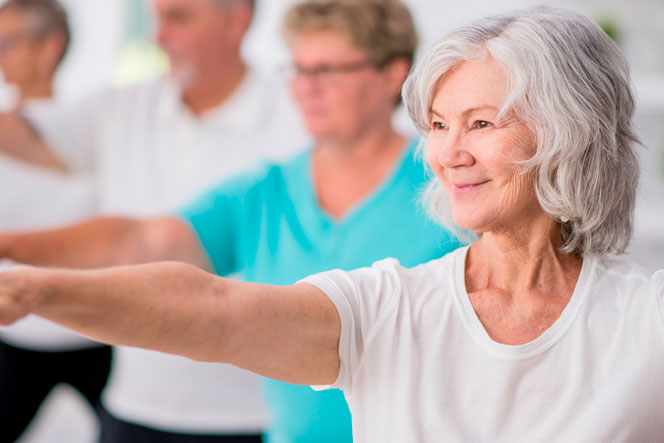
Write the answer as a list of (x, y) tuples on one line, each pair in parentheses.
[(535, 332)]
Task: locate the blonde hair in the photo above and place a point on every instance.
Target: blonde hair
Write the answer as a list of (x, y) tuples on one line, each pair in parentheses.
[(383, 29)]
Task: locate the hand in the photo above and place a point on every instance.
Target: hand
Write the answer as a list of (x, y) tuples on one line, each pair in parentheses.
[(20, 293)]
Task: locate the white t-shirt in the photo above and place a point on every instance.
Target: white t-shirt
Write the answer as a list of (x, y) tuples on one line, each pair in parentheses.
[(39, 198), (418, 366), (150, 155)]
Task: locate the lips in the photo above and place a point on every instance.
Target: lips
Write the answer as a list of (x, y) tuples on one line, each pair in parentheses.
[(464, 188)]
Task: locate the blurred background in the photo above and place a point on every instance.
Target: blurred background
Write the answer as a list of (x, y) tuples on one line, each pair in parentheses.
[(113, 44)]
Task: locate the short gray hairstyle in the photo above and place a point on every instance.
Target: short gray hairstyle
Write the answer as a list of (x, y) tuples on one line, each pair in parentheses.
[(570, 84), (47, 16)]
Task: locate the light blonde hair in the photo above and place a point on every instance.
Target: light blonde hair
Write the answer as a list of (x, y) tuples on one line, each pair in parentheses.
[(383, 29)]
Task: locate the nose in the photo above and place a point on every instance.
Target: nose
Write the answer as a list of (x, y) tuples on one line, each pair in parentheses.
[(451, 150)]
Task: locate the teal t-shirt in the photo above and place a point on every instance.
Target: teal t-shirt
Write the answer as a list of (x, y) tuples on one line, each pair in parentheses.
[(268, 226)]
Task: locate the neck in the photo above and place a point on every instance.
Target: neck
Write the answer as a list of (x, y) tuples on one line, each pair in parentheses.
[(345, 172), (364, 147), (40, 89), (501, 259), (211, 89)]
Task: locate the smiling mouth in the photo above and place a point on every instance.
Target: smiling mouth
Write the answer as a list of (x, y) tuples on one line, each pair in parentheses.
[(464, 188)]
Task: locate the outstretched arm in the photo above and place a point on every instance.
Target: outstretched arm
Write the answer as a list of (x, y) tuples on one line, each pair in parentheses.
[(106, 241), (19, 140), (287, 333)]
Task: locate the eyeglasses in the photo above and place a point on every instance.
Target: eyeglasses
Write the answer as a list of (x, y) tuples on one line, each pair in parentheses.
[(327, 73), (8, 42)]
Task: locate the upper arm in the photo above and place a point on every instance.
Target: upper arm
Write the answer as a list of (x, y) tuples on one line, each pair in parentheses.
[(287, 333)]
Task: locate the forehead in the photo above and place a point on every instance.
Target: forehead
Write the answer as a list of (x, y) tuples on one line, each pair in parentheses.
[(12, 19), (189, 6), (471, 84), (328, 44)]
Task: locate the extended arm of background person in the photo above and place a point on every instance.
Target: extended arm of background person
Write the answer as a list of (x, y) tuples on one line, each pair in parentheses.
[(290, 333), (106, 241), (19, 140)]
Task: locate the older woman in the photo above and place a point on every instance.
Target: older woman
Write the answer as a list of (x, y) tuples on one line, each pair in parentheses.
[(536, 332), (345, 203)]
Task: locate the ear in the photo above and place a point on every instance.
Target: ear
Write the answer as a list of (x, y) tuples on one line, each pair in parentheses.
[(396, 72), (53, 46), (240, 17)]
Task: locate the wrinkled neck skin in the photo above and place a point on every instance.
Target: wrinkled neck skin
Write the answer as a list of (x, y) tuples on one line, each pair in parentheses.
[(523, 260)]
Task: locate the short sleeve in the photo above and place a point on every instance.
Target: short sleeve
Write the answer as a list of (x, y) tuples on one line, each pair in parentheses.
[(71, 130), (217, 218), (364, 298)]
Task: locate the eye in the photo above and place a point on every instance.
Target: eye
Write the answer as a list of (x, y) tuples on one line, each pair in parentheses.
[(437, 126), (481, 124)]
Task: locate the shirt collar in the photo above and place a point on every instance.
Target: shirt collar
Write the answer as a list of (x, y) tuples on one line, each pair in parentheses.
[(240, 111)]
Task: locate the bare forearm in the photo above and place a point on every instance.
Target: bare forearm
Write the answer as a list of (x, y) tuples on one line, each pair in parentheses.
[(289, 333), (104, 241), (170, 307), (92, 244)]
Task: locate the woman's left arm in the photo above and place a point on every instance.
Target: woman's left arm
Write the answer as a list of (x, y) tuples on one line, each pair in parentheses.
[(289, 333)]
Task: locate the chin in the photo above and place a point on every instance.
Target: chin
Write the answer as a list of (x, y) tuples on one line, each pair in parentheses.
[(471, 222), (317, 128), (184, 76)]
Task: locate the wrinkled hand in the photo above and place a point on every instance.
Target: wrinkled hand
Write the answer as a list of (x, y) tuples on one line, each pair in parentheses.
[(19, 293)]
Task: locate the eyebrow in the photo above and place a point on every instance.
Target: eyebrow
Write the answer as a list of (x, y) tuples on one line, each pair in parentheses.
[(467, 111)]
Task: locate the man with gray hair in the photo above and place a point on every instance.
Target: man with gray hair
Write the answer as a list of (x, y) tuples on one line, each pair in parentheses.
[(151, 148)]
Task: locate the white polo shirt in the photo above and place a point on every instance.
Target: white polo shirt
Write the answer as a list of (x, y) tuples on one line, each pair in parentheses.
[(150, 155), (39, 198)]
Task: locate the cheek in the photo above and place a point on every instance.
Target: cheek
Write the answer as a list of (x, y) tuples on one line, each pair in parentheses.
[(519, 191), (432, 156)]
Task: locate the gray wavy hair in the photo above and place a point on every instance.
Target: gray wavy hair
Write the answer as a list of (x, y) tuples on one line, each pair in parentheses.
[(570, 84)]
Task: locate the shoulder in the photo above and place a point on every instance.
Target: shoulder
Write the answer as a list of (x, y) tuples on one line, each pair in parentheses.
[(618, 281), (623, 275), (387, 278)]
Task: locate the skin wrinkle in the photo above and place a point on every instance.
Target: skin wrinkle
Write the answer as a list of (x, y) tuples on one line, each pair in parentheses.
[(518, 289)]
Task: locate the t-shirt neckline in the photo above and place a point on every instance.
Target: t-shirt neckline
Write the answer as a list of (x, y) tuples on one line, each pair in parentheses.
[(367, 201), (547, 339)]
